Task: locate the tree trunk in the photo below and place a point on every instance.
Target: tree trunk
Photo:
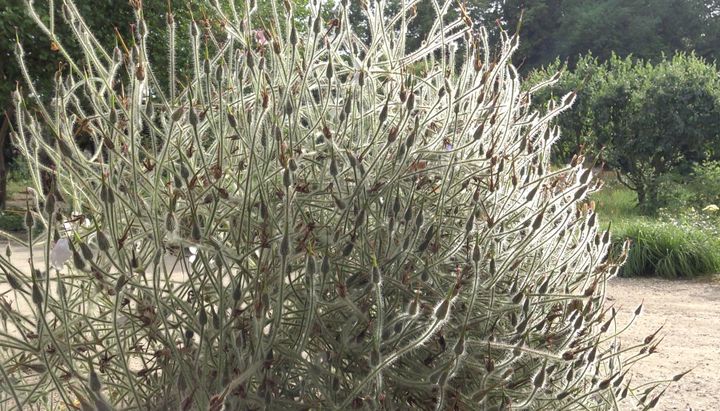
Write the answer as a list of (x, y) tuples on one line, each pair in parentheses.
[(641, 196)]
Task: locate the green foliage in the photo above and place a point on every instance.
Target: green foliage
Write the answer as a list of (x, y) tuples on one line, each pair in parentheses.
[(675, 243), (11, 222), (674, 193), (579, 125), (698, 189), (19, 171), (111, 23), (616, 203), (669, 250), (351, 235), (42, 55), (650, 120), (704, 182), (567, 29)]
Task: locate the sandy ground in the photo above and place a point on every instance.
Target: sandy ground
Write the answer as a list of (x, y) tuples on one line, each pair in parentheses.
[(690, 312)]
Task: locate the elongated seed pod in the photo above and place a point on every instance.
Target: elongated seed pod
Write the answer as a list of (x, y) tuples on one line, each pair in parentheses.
[(285, 246), (50, 204), (310, 266), (329, 71), (384, 112), (177, 114), (193, 118), (325, 265), (29, 220), (14, 282), (195, 233), (476, 254), (287, 179), (441, 311), (95, 384), (86, 252), (78, 260), (348, 249), (37, 296), (202, 317), (293, 36), (411, 101), (103, 242)]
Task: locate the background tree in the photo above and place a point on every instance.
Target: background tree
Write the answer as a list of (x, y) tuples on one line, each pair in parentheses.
[(538, 30), (566, 29), (648, 119), (551, 30)]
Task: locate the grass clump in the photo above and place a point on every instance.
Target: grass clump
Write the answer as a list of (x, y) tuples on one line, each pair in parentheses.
[(352, 235), (668, 250), (670, 244)]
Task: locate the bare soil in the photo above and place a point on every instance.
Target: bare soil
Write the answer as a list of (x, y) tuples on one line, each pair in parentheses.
[(690, 313)]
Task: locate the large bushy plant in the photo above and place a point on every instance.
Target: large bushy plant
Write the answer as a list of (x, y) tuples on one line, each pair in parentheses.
[(351, 235)]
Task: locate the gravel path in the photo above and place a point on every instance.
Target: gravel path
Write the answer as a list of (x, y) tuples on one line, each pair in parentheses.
[(690, 313)]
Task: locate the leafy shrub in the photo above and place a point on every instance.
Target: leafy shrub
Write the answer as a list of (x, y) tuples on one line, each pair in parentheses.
[(648, 120), (674, 193), (350, 236), (704, 184), (678, 193), (18, 171), (11, 222)]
